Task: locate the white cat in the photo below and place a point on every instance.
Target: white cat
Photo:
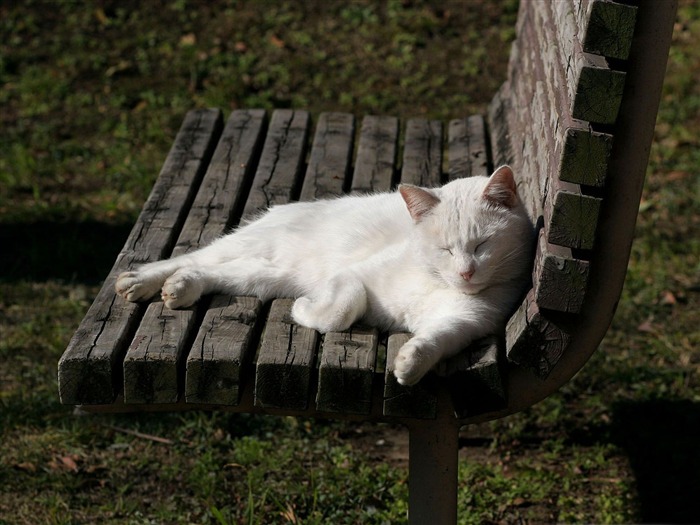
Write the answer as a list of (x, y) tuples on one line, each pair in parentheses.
[(446, 264)]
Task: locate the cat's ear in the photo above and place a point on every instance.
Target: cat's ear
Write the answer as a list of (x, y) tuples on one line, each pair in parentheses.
[(419, 201), (500, 189)]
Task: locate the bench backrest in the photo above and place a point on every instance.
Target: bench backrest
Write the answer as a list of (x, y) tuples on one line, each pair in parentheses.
[(576, 118)]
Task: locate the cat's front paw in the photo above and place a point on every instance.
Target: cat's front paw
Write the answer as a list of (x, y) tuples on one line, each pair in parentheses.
[(182, 289), (134, 286), (411, 364)]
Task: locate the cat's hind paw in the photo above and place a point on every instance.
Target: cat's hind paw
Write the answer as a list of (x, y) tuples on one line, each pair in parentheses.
[(411, 364), (322, 317), (182, 289), (133, 287)]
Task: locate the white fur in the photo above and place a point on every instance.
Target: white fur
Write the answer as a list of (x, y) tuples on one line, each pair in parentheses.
[(408, 260)]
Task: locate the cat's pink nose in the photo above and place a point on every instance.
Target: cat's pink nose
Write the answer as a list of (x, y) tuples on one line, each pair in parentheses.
[(467, 276)]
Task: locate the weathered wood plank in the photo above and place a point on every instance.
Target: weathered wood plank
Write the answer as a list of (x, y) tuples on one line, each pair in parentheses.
[(422, 154), (585, 156), (151, 362), (346, 371), (475, 378), (89, 371), (598, 91), (419, 401), (571, 217), (280, 170), (536, 340), (467, 152), (329, 162), (224, 345), (375, 164), (150, 370), (499, 121), (560, 280), (224, 189), (285, 362), (610, 29)]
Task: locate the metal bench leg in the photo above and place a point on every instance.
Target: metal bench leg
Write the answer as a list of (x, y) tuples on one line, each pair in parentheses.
[(432, 472)]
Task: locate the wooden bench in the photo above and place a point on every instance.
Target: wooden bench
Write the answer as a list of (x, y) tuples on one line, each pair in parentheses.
[(575, 119)]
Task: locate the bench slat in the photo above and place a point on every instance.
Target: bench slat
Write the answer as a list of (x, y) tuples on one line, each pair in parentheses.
[(610, 29), (89, 371), (571, 217), (375, 164), (279, 174), (346, 371), (284, 368), (535, 339), (225, 343), (150, 364), (422, 155), (467, 151), (329, 161), (419, 401), (475, 378), (560, 279), (151, 361)]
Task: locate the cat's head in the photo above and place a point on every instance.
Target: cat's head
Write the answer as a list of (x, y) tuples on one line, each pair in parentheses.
[(472, 232)]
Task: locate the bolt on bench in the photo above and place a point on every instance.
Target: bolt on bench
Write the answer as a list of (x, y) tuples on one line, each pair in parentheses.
[(575, 119)]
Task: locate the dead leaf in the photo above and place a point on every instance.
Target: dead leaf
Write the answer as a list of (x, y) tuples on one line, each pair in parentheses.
[(189, 39), (241, 47), (27, 466), (69, 463), (647, 327), (667, 298), (277, 42), (677, 175)]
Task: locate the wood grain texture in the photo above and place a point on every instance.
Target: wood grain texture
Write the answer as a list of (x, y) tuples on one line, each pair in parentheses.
[(280, 170), (418, 401), (151, 370), (89, 371), (151, 362), (375, 164), (536, 340), (422, 154), (284, 367), (467, 150), (585, 157), (346, 371), (225, 344), (222, 195), (594, 87), (610, 29), (475, 378), (571, 216), (329, 162), (560, 280)]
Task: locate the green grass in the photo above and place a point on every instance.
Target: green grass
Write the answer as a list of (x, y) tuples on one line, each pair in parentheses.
[(92, 95)]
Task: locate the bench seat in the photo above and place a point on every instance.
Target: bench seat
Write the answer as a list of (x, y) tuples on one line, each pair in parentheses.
[(144, 356)]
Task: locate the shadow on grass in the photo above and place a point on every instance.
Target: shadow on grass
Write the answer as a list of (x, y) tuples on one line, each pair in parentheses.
[(661, 439), (75, 252)]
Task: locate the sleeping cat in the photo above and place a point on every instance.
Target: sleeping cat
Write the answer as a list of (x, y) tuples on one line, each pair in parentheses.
[(446, 264)]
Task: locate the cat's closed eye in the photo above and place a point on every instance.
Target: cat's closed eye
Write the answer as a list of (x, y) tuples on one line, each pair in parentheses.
[(446, 249), (479, 247)]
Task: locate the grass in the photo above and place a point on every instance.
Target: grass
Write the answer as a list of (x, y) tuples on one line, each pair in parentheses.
[(92, 95)]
